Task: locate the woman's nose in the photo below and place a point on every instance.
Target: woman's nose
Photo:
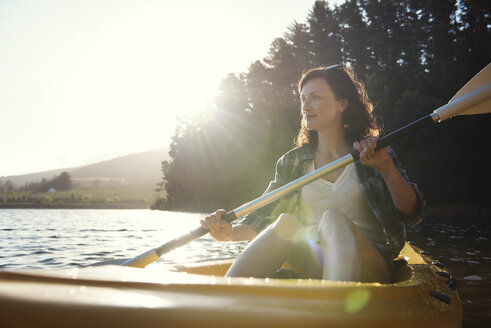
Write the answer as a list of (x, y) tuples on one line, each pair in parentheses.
[(306, 106)]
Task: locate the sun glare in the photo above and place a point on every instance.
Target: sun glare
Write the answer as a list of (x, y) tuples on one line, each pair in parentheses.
[(95, 79)]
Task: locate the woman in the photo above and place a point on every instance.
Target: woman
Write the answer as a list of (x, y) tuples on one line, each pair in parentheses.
[(349, 225)]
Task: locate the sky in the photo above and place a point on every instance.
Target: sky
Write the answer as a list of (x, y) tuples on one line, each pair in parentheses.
[(86, 81)]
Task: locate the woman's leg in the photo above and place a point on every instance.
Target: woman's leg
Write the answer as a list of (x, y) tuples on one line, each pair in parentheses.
[(283, 240), (347, 254)]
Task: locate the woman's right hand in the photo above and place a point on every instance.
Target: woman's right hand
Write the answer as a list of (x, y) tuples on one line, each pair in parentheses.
[(219, 229)]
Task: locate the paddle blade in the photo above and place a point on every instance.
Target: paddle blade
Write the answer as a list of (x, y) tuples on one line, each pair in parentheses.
[(474, 98), (143, 260), (479, 80)]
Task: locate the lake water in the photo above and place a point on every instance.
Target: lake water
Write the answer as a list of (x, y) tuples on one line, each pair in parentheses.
[(51, 239)]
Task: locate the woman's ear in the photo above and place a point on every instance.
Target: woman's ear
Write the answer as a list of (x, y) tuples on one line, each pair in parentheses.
[(343, 104)]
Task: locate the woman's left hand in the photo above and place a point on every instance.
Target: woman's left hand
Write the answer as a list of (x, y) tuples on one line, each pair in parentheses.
[(368, 156)]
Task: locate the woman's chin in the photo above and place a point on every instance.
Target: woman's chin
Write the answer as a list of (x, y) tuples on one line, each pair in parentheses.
[(310, 127)]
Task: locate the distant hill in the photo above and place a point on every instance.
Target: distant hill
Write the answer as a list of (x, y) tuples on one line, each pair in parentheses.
[(140, 168)]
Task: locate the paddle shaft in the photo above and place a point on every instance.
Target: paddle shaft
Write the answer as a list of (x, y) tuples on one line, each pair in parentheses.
[(154, 254), (452, 108)]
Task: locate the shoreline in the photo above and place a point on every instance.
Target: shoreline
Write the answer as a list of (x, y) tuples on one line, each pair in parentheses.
[(436, 212), (101, 206)]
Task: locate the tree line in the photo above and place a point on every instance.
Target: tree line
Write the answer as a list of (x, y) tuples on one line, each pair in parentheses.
[(413, 55), (63, 181)]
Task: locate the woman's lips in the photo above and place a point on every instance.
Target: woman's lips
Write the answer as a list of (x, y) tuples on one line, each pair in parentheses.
[(309, 117)]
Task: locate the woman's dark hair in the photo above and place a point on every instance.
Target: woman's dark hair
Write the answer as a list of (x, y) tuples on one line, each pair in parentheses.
[(357, 119)]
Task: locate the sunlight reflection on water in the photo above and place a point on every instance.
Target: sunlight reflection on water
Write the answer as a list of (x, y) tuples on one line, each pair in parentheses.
[(49, 239)]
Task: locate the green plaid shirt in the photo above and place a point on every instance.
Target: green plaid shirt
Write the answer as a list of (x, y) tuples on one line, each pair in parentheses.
[(295, 163)]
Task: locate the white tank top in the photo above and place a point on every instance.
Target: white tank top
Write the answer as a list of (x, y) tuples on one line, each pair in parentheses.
[(344, 194)]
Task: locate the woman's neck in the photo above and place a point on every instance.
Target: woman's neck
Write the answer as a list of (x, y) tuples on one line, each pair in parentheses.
[(332, 142)]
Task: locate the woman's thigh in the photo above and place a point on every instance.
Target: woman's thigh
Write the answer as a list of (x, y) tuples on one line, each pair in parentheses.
[(373, 264), (283, 241), (345, 247)]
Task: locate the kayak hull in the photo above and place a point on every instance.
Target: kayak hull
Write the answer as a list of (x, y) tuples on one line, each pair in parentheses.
[(200, 296)]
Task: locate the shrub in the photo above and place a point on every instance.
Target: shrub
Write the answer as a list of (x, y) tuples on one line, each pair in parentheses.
[(113, 199), (85, 198)]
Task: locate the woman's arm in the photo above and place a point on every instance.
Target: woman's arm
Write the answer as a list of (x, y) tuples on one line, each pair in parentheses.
[(253, 223), (242, 232), (403, 195), (224, 231)]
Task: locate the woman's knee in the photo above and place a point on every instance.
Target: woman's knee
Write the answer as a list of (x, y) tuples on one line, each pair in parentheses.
[(287, 226), (333, 218), (334, 224)]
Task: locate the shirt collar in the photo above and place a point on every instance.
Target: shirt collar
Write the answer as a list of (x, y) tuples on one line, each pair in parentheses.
[(308, 153)]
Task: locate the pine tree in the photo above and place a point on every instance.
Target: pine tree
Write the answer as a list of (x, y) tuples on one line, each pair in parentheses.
[(325, 36)]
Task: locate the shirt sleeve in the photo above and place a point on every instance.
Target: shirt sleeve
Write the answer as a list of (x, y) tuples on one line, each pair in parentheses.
[(421, 210), (263, 217)]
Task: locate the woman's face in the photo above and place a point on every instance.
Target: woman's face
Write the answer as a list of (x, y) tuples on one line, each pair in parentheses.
[(320, 109)]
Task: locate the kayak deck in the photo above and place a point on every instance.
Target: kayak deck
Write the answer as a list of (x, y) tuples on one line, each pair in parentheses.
[(200, 296)]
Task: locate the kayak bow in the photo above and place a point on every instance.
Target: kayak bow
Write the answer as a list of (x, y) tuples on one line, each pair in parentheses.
[(422, 294)]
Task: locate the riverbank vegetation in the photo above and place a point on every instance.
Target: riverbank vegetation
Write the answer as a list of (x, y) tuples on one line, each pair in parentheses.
[(413, 57), (95, 197), (124, 182)]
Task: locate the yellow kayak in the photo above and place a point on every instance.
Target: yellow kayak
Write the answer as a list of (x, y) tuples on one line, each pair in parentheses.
[(423, 295)]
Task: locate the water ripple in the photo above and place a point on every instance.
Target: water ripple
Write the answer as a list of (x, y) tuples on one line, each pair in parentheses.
[(40, 252)]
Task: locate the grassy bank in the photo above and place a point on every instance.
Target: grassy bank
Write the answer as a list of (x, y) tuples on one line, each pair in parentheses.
[(94, 197)]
